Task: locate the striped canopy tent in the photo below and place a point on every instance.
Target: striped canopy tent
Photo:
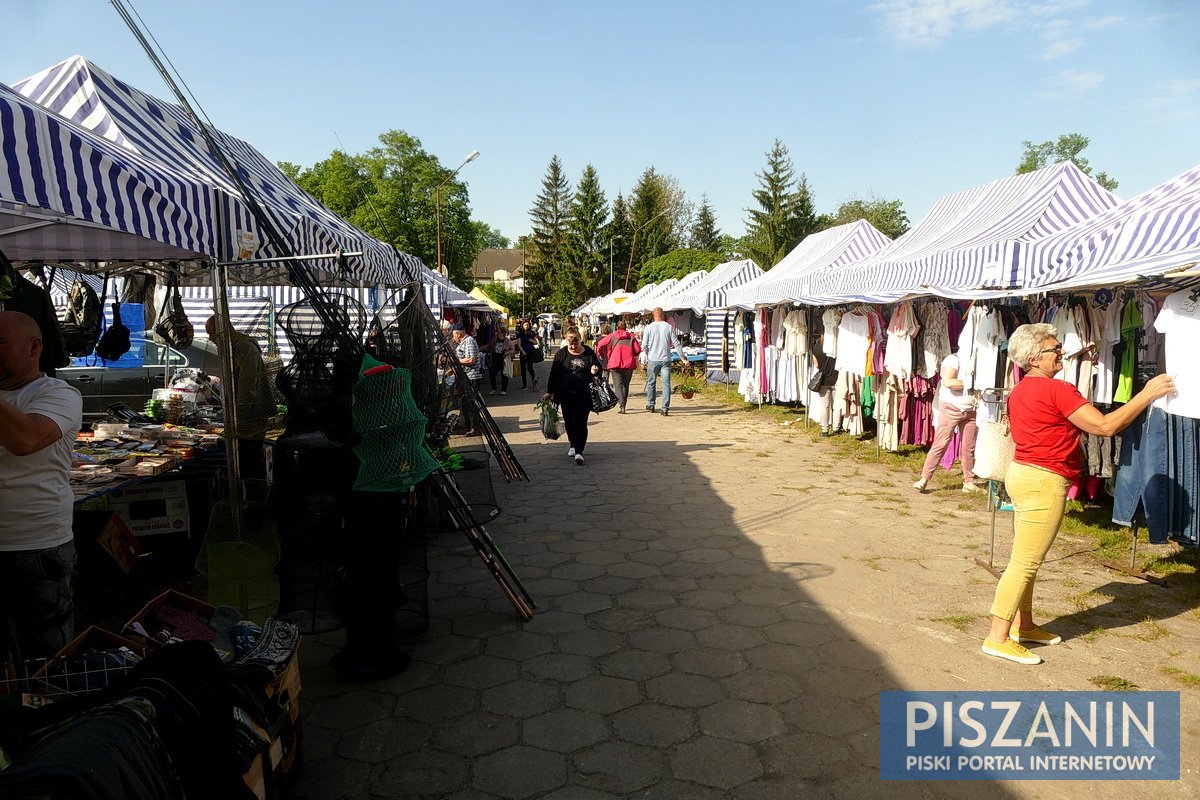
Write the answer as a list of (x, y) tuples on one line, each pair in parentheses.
[(669, 288), (978, 239), (67, 194), (1149, 236), (642, 304), (711, 291), (607, 301), (625, 304), (830, 250), (164, 134)]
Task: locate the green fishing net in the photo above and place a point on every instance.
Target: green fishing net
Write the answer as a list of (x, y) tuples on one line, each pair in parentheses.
[(392, 448)]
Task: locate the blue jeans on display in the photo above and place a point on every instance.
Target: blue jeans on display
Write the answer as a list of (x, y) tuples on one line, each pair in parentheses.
[(653, 369), (1183, 435), (1143, 478)]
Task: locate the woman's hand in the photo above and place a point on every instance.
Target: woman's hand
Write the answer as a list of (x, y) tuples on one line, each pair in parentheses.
[(545, 397), (1160, 386)]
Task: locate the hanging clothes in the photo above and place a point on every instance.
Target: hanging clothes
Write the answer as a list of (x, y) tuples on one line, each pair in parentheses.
[(901, 331), (1131, 328)]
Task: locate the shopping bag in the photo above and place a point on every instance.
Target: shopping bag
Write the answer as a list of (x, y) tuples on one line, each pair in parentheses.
[(993, 450), (603, 396), (552, 423)]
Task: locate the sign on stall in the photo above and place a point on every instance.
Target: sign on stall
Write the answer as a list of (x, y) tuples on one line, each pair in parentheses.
[(149, 509)]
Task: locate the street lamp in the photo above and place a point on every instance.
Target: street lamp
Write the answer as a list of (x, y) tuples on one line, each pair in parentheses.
[(437, 194), (610, 261), (633, 244)]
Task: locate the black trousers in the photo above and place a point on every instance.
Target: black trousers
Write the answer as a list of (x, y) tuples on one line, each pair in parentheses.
[(496, 367), (575, 411), (527, 366)]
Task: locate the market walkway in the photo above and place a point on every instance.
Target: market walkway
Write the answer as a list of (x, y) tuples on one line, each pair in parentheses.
[(721, 604)]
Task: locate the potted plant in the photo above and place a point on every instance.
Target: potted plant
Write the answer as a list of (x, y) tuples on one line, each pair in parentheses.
[(693, 381)]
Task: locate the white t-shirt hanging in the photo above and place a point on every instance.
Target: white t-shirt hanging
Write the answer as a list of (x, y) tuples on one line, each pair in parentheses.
[(1179, 322), (830, 319), (853, 341)]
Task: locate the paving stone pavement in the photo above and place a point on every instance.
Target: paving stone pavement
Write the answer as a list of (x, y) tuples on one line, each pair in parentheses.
[(707, 628)]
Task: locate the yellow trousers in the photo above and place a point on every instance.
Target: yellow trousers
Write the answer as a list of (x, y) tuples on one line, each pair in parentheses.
[(1039, 498)]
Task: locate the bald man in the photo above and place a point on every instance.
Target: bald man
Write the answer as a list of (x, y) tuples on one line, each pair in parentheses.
[(39, 417), (658, 339)]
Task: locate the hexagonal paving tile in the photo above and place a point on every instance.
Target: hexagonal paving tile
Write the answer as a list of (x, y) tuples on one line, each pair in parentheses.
[(577, 792), (484, 624), (645, 600), (655, 725), (800, 633), (762, 686), (598, 534), (544, 560), (603, 558), (553, 621), (565, 730), (685, 691), (608, 585), (379, 741), (792, 659), (635, 665), (583, 602), (710, 661), (558, 666), (705, 555), (577, 572), (602, 694), (669, 584), (521, 698), (333, 777), (435, 703), (730, 637), (764, 596), (351, 710), (424, 773), (749, 616), (550, 587), (688, 619), (481, 672), (741, 721), (716, 762), (707, 598), (572, 546), (590, 642), (476, 734), (519, 645), (520, 772), (807, 755), (661, 640), (620, 767), (653, 557)]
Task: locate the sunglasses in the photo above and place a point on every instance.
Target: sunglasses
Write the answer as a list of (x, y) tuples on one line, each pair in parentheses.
[(1057, 350)]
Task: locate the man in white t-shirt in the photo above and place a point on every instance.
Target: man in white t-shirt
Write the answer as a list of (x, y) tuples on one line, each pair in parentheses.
[(39, 417), (956, 411)]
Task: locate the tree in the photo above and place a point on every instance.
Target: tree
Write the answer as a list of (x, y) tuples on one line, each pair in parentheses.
[(677, 264), (505, 297), (650, 222), (1067, 148), (887, 216), (617, 236), (704, 233), (389, 193), (489, 237), (785, 212), (586, 244), (547, 253)]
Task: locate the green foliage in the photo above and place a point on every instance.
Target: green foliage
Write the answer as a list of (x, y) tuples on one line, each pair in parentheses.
[(617, 234), (505, 297), (489, 237), (676, 264), (887, 216), (389, 192), (704, 233), (587, 245), (785, 212), (650, 218), (547, 252), (1067, 148)]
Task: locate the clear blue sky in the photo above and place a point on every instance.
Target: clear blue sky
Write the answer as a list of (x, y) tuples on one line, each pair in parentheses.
[(904, 99)]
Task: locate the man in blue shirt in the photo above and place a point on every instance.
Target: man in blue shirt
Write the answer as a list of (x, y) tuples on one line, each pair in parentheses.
[(657, 342)]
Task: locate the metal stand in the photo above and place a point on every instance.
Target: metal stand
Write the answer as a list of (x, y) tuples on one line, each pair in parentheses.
[(995, 504), (1132, 570)]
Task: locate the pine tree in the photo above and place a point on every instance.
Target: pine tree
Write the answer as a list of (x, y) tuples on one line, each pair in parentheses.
[(785, 213), (704, 233), (547, 253), (650, 220), (585, 244), (616, 235)]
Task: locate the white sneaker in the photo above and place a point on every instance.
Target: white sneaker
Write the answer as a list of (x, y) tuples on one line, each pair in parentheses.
[(971, 488), (503, 393), (579, 459), (491, 392), (921, 484), (571, 452)]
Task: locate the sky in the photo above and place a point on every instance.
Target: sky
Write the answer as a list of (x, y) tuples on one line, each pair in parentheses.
[(897, 99)]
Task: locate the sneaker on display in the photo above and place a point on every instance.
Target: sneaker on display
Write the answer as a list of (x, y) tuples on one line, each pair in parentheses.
[(1011, 651)]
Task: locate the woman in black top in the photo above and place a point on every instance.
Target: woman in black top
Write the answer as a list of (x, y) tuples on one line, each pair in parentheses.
[(528, 340), (573, 370)]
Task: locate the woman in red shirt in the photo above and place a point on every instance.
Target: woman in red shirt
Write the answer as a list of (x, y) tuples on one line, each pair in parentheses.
[(620, 350), (1046, 417)]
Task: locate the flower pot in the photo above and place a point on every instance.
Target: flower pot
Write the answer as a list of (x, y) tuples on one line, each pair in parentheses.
[(688, 395)]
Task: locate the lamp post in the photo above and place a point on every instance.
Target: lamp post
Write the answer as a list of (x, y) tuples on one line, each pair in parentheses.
[(437, 195), (633, 244), (610, 261)]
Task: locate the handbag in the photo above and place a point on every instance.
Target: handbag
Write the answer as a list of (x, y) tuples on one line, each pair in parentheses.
[(173, 325), (536, 356), (603, 396), (994, 449)]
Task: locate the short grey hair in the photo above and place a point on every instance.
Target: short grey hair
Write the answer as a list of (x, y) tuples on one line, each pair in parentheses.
[(1026, 342)]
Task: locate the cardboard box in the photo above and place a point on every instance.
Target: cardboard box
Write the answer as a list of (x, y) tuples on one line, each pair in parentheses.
[(147, 466), (173, 599), (148, 509), (118, 541)]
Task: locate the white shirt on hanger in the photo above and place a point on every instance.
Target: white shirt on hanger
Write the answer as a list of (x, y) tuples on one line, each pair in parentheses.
[(1179, 321)]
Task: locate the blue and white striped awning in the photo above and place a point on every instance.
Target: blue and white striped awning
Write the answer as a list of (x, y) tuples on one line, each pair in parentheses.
[(1144, 237), (975, 239), (164, 134), (710, 291), (828, 251), (67, 194), (619, 302), (669, 288)]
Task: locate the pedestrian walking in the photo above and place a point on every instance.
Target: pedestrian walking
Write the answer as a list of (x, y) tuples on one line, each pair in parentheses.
[(658, 339), (619, 351), (956, 412), (529, 341), (499, 351), (467, 351), (571, 375), (1046, 416)]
